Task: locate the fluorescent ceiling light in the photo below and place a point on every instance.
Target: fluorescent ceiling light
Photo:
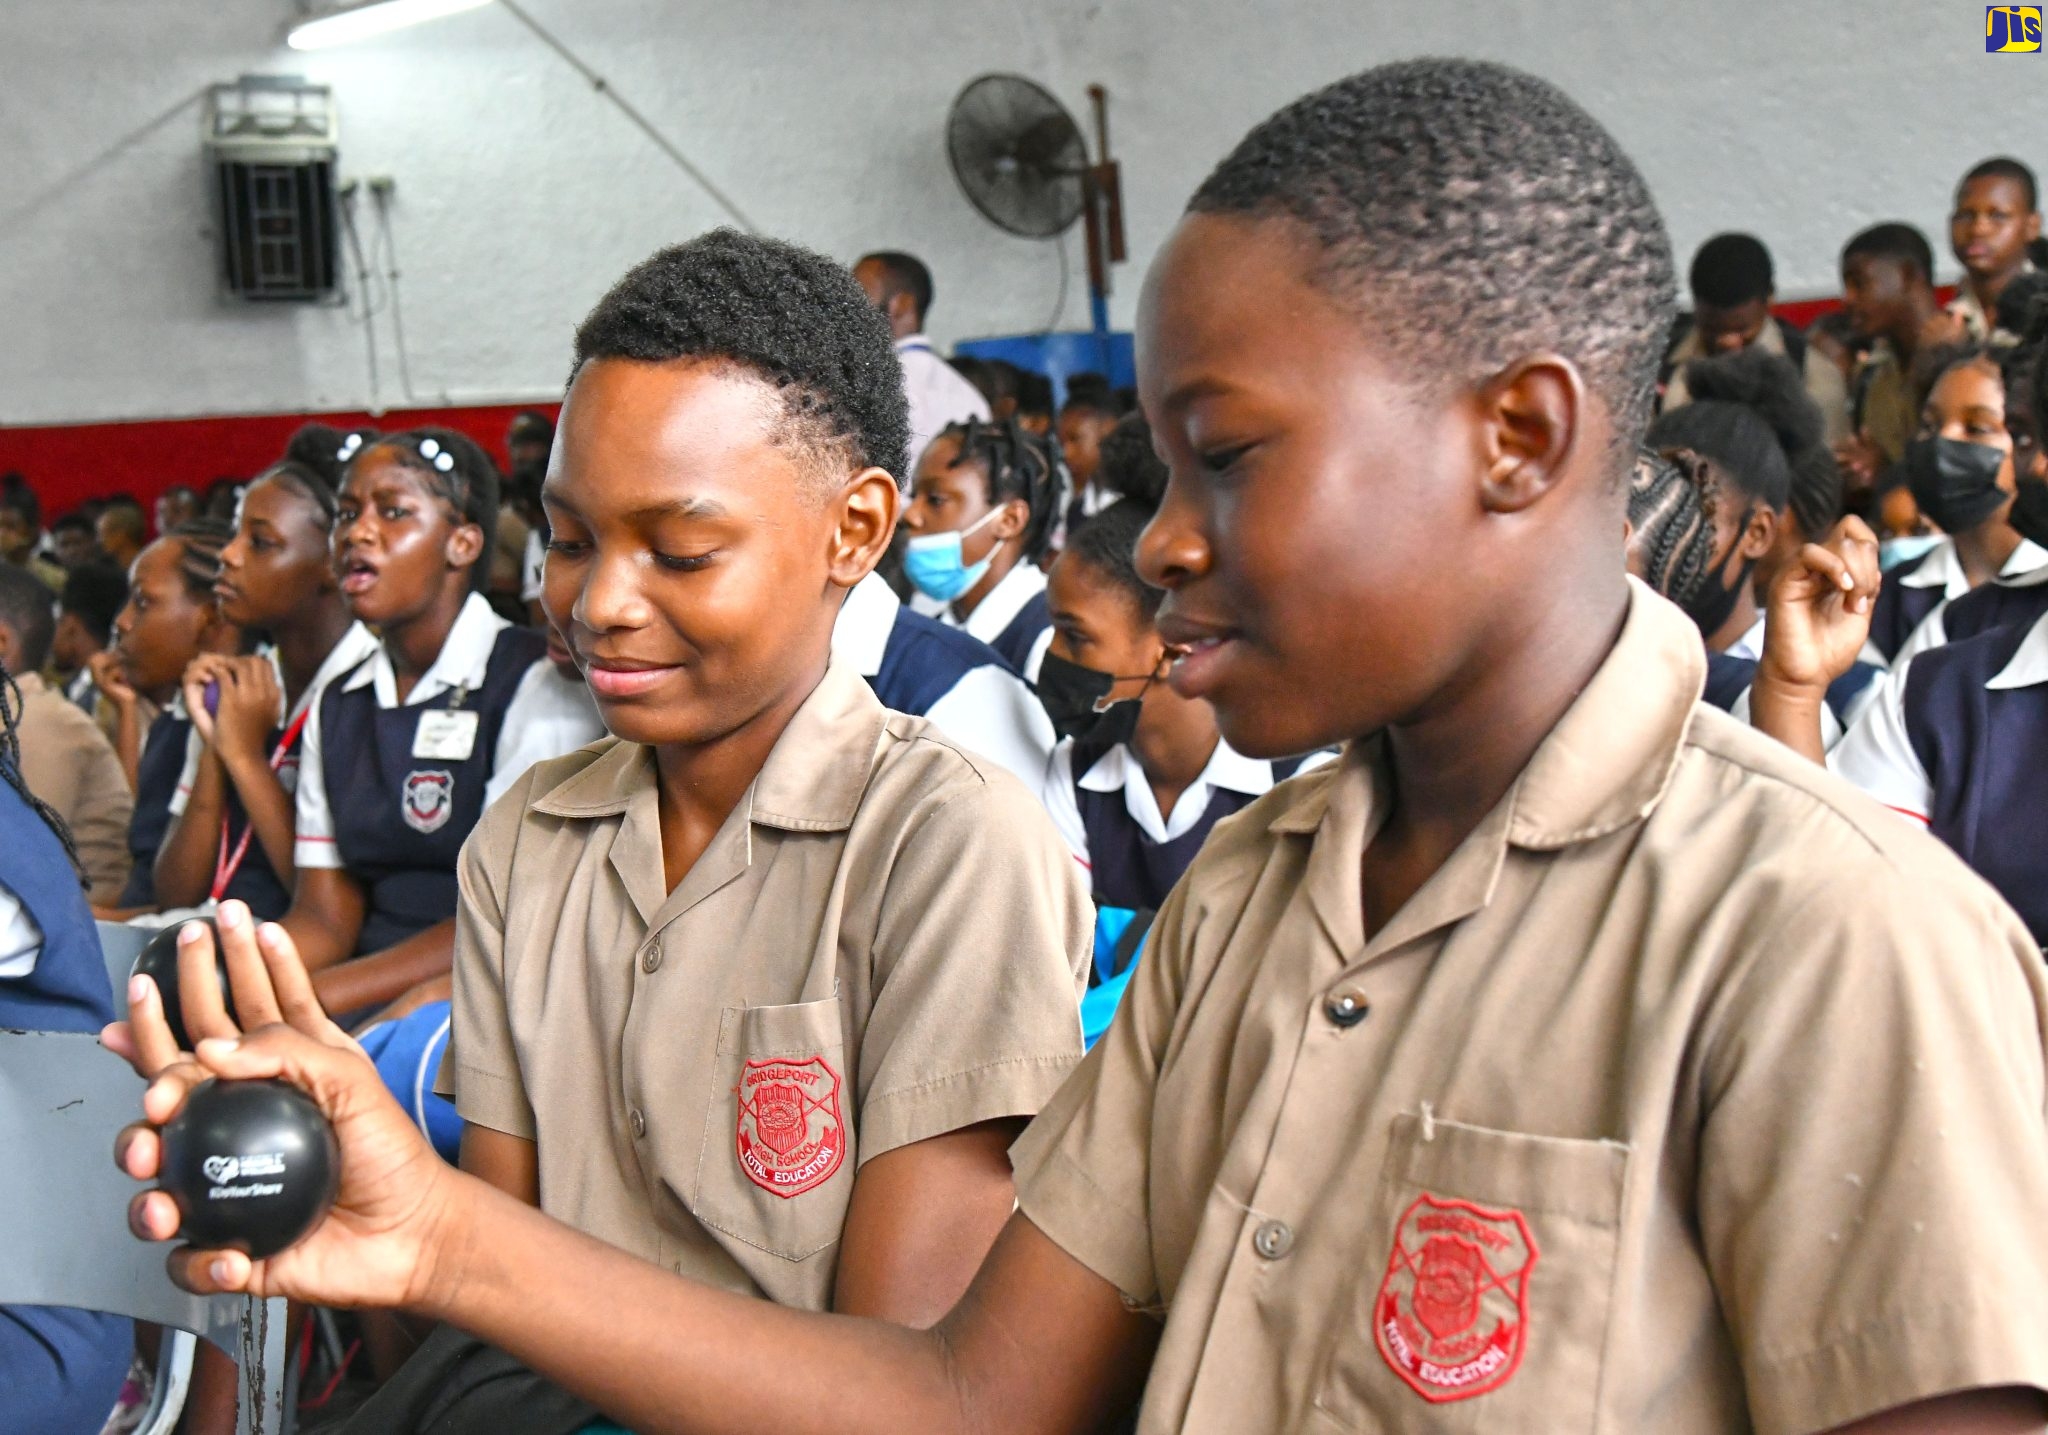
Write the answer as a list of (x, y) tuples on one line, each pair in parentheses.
[(359, 22)]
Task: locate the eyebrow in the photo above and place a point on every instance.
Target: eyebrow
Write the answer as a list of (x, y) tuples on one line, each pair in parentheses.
[(677, 508), (1199, 387)]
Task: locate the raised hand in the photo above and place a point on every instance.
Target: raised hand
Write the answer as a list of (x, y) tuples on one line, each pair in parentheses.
[(110, 677), (1819, 612)]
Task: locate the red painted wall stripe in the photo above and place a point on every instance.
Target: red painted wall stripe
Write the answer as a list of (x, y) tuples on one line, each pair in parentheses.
[(67, 463)]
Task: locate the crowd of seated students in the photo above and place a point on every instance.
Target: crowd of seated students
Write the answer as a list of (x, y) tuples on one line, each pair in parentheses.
[(712, 824)]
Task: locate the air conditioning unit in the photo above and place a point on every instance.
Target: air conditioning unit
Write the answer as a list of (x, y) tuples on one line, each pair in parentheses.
[(271, 146)]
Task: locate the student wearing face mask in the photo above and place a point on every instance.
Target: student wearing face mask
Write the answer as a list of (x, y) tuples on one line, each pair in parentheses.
[(2020, 597), (1960, 469), (981, 515), (1141, 773)]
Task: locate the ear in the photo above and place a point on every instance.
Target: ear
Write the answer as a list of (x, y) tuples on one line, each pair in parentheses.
[(2033, 226), (465, 545), (1016, 514), (10, 649), (1531, 413), (1760, 533), (866, 510)]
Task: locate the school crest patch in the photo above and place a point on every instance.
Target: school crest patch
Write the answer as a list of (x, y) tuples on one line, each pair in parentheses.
[(791, 1136), (429, 799), (1452, 1317)]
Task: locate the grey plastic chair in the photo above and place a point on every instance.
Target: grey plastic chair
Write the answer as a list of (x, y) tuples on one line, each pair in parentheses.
[(121, 944), (65, 1242)]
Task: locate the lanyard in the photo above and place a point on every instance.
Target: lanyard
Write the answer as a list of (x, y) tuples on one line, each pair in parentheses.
[(224, 865)]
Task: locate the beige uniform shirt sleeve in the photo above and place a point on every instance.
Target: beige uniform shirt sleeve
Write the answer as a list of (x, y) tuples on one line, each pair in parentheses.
[(1083, 1166), (1872, 1169), (68, 763), (480, 1069), (979, 962)]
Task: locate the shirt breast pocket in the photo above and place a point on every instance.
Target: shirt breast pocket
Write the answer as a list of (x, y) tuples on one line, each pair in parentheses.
[(776, 1168), (1485, 1285)]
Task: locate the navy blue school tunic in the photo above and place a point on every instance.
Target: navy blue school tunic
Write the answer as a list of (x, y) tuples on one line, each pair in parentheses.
[(60, 1370), (1900, 608), (256, 881), (399, 820), (1985, 751), (1129, 869), (1020, 636), (156, 782), (1729, 677), (1993, 605)]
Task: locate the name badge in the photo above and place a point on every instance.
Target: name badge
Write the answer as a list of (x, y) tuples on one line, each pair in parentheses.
[(449, 736)]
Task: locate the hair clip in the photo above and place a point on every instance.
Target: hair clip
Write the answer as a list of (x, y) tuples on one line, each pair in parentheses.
[(348, 448), (440, 458)]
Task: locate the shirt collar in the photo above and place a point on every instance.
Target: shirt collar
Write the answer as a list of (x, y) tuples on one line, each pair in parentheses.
[(2029, 557), (357, 644), (1606, 764), (1003, 602), (860, 634), (913, 341), (813, 781), (1227, 768), (1939, 569), (29, 683), (462, 661), (1943, 568), (2029, 665)]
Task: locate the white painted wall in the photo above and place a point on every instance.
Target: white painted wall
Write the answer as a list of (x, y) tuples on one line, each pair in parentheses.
[(521, 195)]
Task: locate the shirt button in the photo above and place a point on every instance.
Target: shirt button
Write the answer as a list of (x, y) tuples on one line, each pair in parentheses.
[(650, 960), (639, 1123), (1273, 1239), (1346, 1009)]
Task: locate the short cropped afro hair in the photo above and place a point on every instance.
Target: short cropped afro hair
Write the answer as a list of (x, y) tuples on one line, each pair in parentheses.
[(1479, 215), (784, 314)]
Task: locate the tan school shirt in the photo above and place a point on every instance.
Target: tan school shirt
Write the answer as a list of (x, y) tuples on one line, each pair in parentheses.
[(69, 763), (1695, 1093), (886, 941)]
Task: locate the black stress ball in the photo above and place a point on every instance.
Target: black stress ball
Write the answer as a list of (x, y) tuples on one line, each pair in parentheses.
[(159, 962), (252, 1165)]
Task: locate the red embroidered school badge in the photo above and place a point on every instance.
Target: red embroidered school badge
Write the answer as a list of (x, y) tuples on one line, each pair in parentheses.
[(1452, 1317), (791, 1136), (429, 799)]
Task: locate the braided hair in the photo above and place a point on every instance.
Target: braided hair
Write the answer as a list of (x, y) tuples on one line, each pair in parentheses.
[(10, 769), (1671, 501), (1108, 542), (200, 543), (1017, 465)]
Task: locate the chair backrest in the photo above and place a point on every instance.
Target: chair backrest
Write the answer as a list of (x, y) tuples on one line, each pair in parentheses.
[(121, 944), (65, 1242)]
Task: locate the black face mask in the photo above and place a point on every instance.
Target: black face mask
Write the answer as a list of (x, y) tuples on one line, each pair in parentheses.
[(2029, 516), (1077, 701), (1711, 607), (1955, 482)]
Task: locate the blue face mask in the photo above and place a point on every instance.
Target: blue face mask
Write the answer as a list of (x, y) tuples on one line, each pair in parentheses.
[(1894, 551), (935, 566)]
